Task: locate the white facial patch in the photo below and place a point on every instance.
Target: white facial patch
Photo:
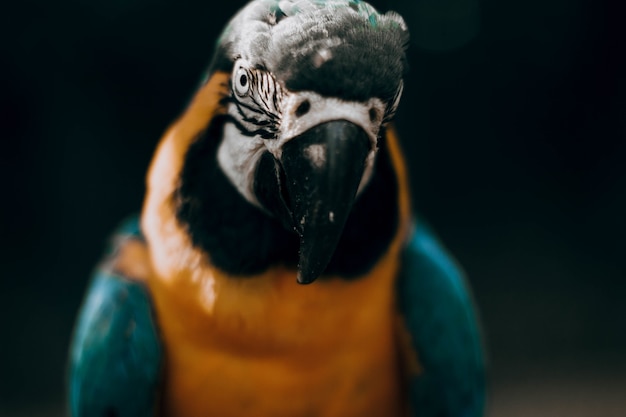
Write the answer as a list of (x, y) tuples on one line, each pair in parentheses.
[(238, 156)]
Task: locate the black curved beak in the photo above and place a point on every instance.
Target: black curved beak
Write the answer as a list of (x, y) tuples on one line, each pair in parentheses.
[(321, 172)]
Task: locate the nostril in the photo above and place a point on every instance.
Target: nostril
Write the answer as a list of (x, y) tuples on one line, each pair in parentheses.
[(303, 108), (373, 114)]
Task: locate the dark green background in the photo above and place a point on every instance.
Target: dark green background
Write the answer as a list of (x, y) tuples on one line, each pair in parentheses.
[(514, 124)]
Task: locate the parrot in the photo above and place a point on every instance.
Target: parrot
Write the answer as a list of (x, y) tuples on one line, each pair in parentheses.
[(276, 267)]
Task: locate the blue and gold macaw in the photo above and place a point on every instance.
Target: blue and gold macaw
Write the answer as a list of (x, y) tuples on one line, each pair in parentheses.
[(283, 170)]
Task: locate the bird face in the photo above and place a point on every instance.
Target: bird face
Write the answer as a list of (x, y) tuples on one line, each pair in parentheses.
[(312, 85)]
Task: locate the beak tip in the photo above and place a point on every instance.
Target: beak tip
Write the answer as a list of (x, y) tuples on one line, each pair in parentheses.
[(303, 279)]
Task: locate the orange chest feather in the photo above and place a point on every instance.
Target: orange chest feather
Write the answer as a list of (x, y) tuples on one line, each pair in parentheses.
[(270, 347)]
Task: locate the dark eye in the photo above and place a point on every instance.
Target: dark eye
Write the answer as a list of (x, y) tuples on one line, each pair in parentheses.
[(242, 82)]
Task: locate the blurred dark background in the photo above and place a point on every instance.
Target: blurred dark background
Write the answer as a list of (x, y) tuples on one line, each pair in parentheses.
[(514, 124)]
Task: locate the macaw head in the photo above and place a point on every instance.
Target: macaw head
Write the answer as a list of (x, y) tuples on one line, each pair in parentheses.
[(312, 85)]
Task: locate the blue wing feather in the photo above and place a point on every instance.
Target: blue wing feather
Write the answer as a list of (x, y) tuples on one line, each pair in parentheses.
[(439, 314), (115, 355)]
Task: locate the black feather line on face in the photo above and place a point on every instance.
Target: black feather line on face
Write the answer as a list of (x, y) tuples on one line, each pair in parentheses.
[(260, 81), (261, 132), (271, 118), (240, 105), (253, 120)]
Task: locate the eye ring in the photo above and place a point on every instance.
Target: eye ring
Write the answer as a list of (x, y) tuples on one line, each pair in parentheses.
[(241, 81)]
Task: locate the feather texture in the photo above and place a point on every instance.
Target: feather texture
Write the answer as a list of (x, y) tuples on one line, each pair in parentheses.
[(439, 314), (115, 357)]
